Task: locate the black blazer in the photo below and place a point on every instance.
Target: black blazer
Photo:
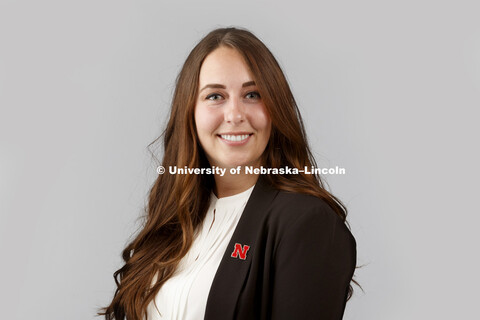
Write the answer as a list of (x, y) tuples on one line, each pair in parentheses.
[(299, 260)]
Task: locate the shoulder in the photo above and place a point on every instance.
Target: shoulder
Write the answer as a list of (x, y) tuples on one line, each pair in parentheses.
[(289, 207), (296, 216)]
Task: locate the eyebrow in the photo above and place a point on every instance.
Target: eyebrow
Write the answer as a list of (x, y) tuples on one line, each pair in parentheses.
[(221, 86)]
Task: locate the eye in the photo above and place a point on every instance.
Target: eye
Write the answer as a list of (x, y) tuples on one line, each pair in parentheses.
[(213, 97), (253, 95)]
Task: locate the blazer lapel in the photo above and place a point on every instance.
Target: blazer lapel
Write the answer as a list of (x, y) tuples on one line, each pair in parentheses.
[(232, 271)]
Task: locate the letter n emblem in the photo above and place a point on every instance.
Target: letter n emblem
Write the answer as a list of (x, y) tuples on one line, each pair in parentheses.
[(240, 251)]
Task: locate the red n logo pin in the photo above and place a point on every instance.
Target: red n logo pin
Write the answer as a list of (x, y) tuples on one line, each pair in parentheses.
[(239, 250)]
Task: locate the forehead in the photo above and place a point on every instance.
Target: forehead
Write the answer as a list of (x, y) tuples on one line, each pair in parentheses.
[(224, 65)]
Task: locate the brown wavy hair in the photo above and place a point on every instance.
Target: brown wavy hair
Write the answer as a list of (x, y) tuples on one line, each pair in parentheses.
[(178, 203)]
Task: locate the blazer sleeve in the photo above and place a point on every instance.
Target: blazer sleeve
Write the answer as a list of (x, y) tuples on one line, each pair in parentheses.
[(313, 266)]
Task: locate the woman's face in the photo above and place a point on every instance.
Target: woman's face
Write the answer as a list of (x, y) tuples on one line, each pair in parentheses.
[(231, 120)]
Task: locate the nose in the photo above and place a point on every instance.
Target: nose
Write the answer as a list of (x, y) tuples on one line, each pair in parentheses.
[(234, 112)]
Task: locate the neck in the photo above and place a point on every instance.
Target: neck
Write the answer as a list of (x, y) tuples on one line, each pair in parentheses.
[(232, 184)]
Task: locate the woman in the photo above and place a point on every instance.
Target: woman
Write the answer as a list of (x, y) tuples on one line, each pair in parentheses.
[(232, 243)]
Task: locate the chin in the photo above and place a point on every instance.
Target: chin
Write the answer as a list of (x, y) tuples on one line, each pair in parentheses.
[(235, 161), (234, 164)]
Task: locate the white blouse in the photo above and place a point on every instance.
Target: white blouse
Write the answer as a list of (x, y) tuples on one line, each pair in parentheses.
[(184, 295)]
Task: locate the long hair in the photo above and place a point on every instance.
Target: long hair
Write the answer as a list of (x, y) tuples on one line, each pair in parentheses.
[(177, 204)]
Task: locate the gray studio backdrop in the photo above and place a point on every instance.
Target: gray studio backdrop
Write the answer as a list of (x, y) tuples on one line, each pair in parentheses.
[(388, 89)]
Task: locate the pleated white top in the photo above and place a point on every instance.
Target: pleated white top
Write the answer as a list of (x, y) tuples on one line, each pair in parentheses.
[(184, 295)]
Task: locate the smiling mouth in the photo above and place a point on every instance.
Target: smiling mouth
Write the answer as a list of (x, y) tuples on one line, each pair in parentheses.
[(235, 137)]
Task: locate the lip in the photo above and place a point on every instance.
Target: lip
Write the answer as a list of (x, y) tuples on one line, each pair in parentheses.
[(236, 133), (235, 143)]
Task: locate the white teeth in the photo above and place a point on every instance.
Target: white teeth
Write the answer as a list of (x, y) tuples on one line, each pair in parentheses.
[(240, 137)]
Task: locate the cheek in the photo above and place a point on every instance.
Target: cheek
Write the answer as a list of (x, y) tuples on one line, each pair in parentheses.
[(261, 121), (206, 121)]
